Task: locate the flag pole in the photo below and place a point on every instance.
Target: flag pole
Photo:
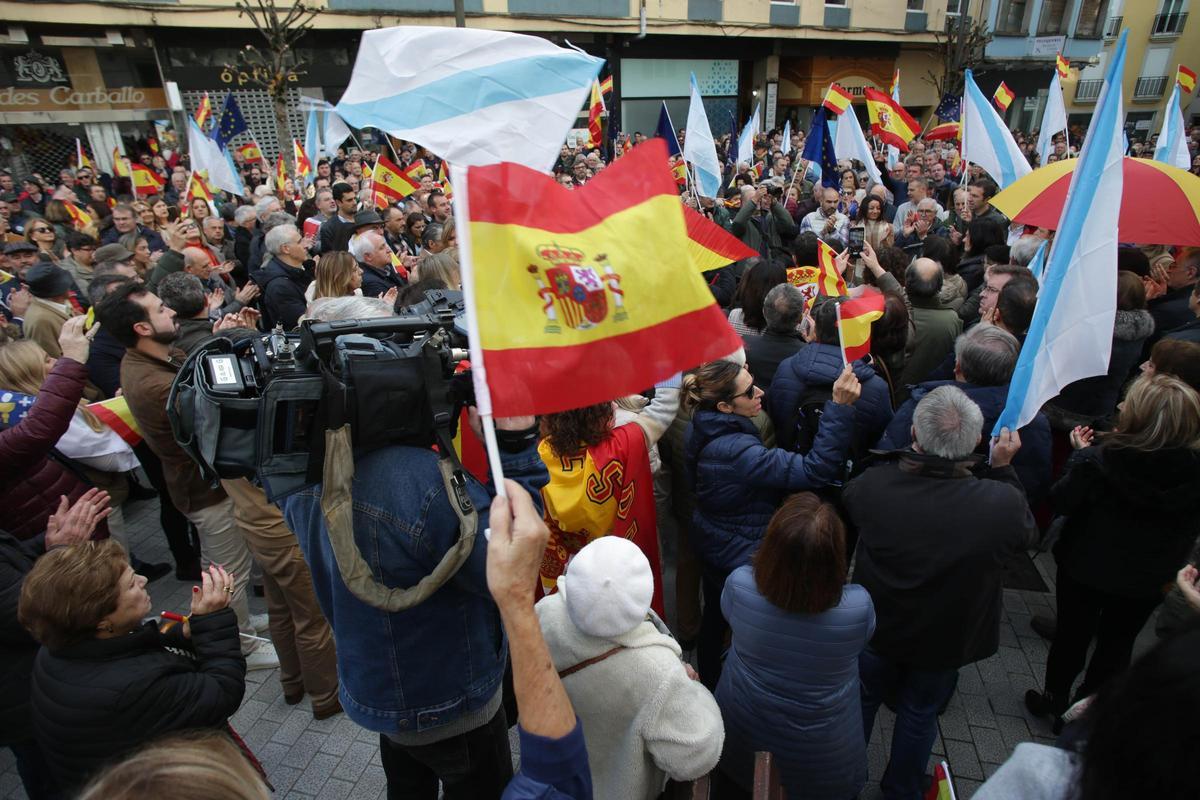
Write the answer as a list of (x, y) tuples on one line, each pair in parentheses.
[(841, 338), (483, 395)]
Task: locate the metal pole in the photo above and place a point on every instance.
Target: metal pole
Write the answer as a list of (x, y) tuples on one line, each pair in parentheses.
[(460, 14)]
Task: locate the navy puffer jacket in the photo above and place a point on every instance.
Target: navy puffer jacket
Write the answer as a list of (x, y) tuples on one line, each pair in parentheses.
[(740, 483), (820, 365), (790, 687)]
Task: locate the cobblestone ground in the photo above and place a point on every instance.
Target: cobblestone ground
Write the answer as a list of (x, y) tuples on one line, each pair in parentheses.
[(334, 758)]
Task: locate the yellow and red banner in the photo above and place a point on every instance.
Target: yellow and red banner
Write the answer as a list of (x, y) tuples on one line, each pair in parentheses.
[(198, 188), (586, 316), (947, 130), (1186, 79), (822, 279), (895, 87), (606, 85), (79, 218), (595, 111), (710, 245), (889, 121), (1063, 66), (303, 165), (1003, 97), (203, 112), (390, 183), (120, 164), (251, 152), (280, 173), (679, 170), (444, 180), (146, 181), (115, 414), (81, 159), (837, 99), (854, 318)]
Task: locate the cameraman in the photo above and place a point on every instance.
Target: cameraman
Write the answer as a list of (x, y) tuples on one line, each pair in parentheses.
[(763, 223), (428, 678)]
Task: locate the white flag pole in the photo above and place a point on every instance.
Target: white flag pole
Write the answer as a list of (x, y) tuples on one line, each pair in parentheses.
[(483, 396)]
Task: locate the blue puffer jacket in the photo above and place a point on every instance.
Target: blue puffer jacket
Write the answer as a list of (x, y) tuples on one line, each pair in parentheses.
[(790, 686), (820, 365), (1032, 462), (740, 483)]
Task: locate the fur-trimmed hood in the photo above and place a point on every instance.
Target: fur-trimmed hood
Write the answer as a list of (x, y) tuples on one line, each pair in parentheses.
[(1133, 325)]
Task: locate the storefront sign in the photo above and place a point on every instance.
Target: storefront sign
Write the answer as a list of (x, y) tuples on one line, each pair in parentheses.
[(65, 98), (1044, 46)]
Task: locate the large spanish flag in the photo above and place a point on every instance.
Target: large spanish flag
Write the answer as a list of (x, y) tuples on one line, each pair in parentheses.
[(710, 245), (586, 295), (889, 121), (392, 182)]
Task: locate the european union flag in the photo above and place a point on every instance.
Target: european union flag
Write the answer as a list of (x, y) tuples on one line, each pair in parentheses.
[(818, 149), (230, 124), (666, 131), (950, 109)]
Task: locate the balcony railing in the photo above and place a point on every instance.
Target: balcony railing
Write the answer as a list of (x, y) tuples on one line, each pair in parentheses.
[(1113, 27), (1149, 88), (1168, 24), (1088, 91)]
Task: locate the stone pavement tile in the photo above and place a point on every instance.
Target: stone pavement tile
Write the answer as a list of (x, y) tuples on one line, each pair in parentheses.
[(327, 725), (277, 710), (7, 759), (1008, 637), (248, 714), (283, 778), (963, 760), (10, 784), (272, 754), (967, 788), (372, 783), (1013, 730), (969, 681), (335, 790), (355, 762), (338, 740), (259, 734), (366, 735), (1036, 650), (290, 729), (377, 758), (989, 769), (1014, 660), (1020, 625), (954, 725), (1014, 602), (303, 749), (979, 711), (1011, 701), (991, 669), (316, 773), (989, 744)]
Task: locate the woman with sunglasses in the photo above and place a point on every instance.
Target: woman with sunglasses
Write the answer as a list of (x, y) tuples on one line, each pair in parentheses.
[(40, 233), (740, 482)]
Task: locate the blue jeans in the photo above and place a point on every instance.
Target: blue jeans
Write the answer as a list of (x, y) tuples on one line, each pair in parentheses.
[(916, 695)]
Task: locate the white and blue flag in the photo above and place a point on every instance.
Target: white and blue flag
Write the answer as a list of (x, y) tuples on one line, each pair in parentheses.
[(1172, 143), (1038, 264), (850, 143), (1054, 120), (312, 141), (1070, 337), (208, 157), (785, 146), (699, 148), (472, 96), (987, 141), (745, 148)]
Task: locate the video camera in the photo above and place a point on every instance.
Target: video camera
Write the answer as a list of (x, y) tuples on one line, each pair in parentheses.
[(260, 404)]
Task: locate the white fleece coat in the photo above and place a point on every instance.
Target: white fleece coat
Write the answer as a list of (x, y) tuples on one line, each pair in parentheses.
[(643, 719)]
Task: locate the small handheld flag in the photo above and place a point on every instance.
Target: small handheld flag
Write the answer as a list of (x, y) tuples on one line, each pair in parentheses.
[(950, 108), (251, 152), (231, 122), (280, 173), (444, 180), (80, 218), (115, 414), (204, 111), (818, 148), (1063, 66), (390, 183), (120, 164), (823, 279), (666, 131), (146, 181), (303, 165), (606, 85), (854, 318), (595, 112), (710, 245), (942, 787), (1003, 96), (1186, 79), (81, 159), (837, 99), (947, 130), (894, 89)]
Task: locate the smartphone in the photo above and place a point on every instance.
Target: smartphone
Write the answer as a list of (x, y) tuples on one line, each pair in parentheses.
[(857, 237)]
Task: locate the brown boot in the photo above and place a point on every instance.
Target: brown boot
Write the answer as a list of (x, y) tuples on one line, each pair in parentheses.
[(327, 711)]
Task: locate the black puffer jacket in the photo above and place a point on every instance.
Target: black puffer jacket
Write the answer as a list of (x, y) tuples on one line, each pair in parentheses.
[(95, 701), (1131, 517), (17, 647)]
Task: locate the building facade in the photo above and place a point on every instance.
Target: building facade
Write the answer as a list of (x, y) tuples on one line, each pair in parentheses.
[(104, 72)]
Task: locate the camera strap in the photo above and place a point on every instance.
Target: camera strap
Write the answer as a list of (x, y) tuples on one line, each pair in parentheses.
[(337, 506)]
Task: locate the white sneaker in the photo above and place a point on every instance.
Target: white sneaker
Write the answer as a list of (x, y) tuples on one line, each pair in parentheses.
[(263, 657), (260, 622)]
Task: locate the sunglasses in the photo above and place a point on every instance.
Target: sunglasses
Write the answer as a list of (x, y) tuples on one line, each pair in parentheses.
[(42, 230)]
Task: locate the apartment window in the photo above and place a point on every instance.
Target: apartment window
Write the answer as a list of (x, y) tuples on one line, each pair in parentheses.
[(957, 7), (916, 5), (1013, 17), (1092, 17), (835, 2), (1055, 17)]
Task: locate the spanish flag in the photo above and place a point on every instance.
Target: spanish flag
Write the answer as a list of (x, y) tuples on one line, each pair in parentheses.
[(1186, 79), (679, 170), (710, 245), (895, 87), (280, 173), (595, 111), (1003, 97), (947, 130), (398, 265), (146, 181), (115, 414), (823, 279), (837, 99), (81, 159), (391, 183), (251, 152), (415, 170), (889, 121), (120, 164), (80, 218), (444, 180), (606, 85), (303, 165), (1063, 66), (203, 112), (854, 318), (585, 316), (197, 188), (368, 172), (942, 787)]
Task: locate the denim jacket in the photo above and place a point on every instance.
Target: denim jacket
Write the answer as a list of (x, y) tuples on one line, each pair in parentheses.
[(433, 671)]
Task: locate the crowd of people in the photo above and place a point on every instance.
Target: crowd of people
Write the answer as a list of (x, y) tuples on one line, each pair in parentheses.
[(838, 534)]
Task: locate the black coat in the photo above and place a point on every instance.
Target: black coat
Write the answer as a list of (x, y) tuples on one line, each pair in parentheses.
[(1131, 517), (334, 235), (763, 354), (376, 283), (104, 362), (933, 539), (96, 701), (282, 294), (17, 647)]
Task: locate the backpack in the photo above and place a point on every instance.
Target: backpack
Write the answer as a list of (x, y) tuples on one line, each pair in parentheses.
[(809, 410)]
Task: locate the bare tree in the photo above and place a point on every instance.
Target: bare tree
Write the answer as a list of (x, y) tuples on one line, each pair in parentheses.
[(275, 66), (960, 47)]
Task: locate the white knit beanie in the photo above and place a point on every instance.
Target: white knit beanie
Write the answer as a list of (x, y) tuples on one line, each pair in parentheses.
[(607, 587)]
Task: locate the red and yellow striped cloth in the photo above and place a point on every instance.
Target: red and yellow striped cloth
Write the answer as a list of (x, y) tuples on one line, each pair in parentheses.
[(115, 414), (710, 245), (854, 317), (837, 99), (1003, 97), (889, 121), (600, 294), (823, 279)]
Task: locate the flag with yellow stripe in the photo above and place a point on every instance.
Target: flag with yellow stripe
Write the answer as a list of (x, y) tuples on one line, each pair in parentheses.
[(854, 318), (822, 279), (586, 316), (115, 414)]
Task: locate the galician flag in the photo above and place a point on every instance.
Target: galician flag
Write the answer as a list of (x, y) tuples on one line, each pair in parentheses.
[(849, 142), (477, 96), (585, 317), (1070, 337), (1172, 142), (700, 149), (745, 151), (1054, 120), (986, 139)]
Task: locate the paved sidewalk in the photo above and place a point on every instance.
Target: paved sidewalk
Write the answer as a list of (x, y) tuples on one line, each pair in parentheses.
[(334, 758)]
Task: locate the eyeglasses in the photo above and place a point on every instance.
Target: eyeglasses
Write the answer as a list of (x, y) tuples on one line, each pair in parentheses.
[(43, 230)]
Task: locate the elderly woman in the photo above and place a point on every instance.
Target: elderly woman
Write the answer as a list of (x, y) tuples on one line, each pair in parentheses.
[(106, 682)]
